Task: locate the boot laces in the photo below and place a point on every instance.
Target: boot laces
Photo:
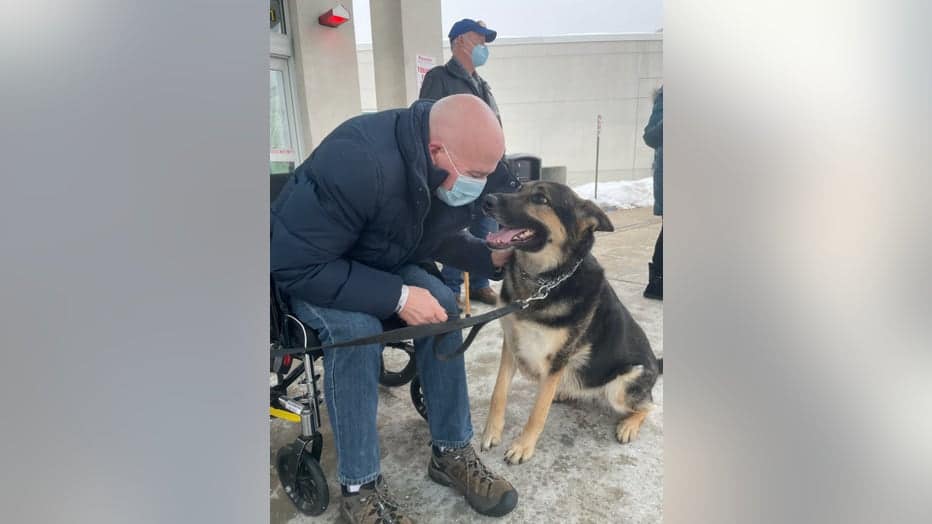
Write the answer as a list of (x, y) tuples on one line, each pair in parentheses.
[(384, 505), (475, 469)]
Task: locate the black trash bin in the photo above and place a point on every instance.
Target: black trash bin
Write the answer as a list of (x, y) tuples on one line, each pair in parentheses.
[(526, 167)]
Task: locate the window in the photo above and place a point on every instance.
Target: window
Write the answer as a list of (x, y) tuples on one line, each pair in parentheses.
[(284, 144)]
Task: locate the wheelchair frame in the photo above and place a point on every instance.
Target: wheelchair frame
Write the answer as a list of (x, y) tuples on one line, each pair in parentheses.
[(298, 463)]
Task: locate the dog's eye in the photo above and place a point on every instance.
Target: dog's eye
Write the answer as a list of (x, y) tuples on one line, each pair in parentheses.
[(538, 198)]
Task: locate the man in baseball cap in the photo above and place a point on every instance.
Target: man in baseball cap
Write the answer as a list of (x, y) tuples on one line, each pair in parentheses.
[(458, 76)]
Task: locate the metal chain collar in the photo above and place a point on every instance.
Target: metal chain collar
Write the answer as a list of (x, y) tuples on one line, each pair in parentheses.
[(546, 286)]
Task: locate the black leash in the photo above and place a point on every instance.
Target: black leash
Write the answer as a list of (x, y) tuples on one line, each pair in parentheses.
[(440, 328), (415, 332)]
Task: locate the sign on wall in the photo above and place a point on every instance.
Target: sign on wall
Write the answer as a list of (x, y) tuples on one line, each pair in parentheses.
[(424, 64)]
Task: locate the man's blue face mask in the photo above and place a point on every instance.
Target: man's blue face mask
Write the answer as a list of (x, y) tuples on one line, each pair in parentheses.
[(480, 53), (465, 189)]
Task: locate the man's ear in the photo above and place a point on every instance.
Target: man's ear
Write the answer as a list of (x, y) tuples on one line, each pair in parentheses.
[(434, 150), (594, 218)]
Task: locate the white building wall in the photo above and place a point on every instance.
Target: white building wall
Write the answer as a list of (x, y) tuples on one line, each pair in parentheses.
[(551, 89)]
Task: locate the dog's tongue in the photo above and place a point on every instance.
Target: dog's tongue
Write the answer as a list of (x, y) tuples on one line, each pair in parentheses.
[(502, 237)]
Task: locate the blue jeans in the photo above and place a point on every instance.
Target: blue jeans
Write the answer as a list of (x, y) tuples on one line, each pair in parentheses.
[(351, 381), (452, 276)]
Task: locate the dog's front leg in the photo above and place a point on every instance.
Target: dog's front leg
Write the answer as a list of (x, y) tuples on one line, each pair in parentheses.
[(495, 423), (523, 447)]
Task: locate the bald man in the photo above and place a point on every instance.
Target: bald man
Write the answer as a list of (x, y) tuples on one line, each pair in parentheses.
[(381, 194)]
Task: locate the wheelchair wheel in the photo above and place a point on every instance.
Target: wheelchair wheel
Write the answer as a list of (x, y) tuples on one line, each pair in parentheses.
[(392, 379), (417, 397), (302, 479)]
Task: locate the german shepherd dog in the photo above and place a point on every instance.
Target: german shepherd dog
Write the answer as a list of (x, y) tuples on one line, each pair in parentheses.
[(578, 343)]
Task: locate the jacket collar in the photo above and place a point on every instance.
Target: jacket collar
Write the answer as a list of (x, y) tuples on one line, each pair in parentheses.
[(412, 130), (455, 68)]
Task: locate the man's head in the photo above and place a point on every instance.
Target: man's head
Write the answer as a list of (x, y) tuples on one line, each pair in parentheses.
[(465, 140), (467, 42)]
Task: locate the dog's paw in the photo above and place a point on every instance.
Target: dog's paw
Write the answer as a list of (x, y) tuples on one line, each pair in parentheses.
[(491, 438), (628, 428), (626, 433), (519, 452)]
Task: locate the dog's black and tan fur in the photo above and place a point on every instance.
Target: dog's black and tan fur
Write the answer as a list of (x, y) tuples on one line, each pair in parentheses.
[(580, 342)]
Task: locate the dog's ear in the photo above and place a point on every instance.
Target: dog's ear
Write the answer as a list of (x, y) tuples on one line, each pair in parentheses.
[(594, 218)]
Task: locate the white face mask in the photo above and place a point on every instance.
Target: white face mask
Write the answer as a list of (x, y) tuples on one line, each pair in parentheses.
[(465, 189)]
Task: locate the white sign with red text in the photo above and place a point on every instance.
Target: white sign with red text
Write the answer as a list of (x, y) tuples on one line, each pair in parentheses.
[(424, 64)]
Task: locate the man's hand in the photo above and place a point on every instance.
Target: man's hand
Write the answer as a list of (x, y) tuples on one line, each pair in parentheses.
[(421, 308), (501, 256)]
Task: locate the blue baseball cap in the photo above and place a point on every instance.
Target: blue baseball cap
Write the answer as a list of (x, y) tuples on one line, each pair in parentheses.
[(466, 25)]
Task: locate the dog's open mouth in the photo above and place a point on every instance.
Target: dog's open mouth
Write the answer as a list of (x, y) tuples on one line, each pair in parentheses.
[(508, 237)]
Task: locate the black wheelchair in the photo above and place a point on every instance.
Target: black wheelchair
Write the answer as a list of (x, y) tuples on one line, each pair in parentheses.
[(298, 463)]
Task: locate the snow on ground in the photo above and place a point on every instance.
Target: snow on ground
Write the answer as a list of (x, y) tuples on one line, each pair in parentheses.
[(623, 194)]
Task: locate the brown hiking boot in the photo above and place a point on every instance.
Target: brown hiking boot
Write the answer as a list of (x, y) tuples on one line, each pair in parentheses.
[(373, 505), (487, 493), (485, 295)]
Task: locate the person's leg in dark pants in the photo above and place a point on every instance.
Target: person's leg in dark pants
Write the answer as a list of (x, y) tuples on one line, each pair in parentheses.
[(658, 253), (452, 278), (654, 287), (479, 288)]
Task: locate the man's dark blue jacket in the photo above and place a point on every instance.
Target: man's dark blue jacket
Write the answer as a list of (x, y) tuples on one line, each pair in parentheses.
[(362, 206)]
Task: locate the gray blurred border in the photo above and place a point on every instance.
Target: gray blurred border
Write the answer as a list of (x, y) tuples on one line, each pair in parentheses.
[(797, 336), (133, 250), (134, 263)]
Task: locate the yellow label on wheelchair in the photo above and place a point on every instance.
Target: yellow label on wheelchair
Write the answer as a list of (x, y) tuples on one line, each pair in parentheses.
[(284, 415)]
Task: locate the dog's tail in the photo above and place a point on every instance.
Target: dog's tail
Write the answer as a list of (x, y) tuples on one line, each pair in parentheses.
[(660, 365)]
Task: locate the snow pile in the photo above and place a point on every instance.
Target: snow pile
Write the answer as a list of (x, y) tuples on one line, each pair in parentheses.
[(623, 194)]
